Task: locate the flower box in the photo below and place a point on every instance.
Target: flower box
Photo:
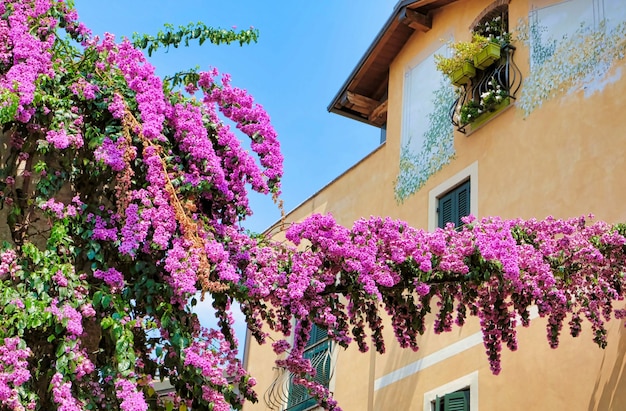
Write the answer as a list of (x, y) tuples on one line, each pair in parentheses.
[(487, 56), (490, 113), (463, 75)]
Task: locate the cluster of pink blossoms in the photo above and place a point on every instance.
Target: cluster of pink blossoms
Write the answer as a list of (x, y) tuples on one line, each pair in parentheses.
[(215, 358), (237, 105), (30, 56), (193, 137), (13, 372), (301, 368), (61, 139), (8, 263), (68, 315), (84, 366), (131, 399), (182, 263), (491, 268), (112, 153), (62, 210), (112, 278), (62, 394), (140, 77)]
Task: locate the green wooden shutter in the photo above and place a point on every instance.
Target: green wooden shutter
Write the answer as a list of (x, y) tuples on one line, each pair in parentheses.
[(317, 334), (447, 209), (454, 205), (298, 396), (463, 198), (456, 401), (320, 360), (318, 353)]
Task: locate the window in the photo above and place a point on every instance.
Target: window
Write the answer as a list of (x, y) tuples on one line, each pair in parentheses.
[(319, 353), (454, 205), (496, 78), (454, 401), (455, 197), (383, 133), (458, 395)]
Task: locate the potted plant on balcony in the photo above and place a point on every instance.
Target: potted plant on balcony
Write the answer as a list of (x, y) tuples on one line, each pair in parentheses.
[(460, 66), (495, 97), (495, 30), (470, 111), (495, 33), (489, 54), (476, 112)]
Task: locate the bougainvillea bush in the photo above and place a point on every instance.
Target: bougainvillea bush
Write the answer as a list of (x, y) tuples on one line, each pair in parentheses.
[(122, 198)]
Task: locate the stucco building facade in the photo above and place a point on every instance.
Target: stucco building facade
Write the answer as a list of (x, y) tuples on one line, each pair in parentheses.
[(556, 146)]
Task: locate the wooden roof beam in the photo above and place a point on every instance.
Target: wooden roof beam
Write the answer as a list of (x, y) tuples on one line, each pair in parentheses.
[(415, 20), (359, 103), (379, 114)]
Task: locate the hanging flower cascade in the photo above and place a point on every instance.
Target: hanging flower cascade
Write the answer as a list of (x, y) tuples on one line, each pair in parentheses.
[(123, 197), (493, 269)]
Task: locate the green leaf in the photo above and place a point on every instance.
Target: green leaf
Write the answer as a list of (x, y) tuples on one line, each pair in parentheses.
[(106, 323), (9, 309), (97, 297), (123, 365)]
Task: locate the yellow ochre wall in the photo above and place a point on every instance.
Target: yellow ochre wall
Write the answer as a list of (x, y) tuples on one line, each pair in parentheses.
[(566, 159)]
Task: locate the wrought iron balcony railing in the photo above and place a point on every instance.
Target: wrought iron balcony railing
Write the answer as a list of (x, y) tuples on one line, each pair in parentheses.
[(283, 394), (504, 76)]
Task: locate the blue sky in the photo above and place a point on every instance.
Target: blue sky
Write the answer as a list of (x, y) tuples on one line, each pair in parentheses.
[(305, 52)]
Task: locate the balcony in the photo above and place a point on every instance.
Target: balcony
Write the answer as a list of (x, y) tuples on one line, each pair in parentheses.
[(487, 92), (283, 394)]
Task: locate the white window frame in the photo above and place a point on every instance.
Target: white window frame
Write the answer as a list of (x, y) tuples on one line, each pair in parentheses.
[(469, 380), (468, 173)]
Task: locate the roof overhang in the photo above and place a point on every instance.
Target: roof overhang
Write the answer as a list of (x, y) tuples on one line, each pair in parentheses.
[(363, 96)]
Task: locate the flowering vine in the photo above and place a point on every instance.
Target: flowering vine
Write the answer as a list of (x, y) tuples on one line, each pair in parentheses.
[(124, 198)]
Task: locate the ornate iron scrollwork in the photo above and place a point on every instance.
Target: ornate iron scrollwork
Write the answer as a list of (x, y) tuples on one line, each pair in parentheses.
[(277, 396), (505, 73)]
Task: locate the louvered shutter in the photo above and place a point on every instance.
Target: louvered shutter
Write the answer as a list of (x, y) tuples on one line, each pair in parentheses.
[(319, 355), (454, 205), (317, 334), (320, 360), (456, 401), (298, 396), (447, 209), (463, 201)]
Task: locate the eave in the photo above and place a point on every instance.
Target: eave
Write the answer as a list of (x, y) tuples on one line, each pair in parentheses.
[(363, 96)]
